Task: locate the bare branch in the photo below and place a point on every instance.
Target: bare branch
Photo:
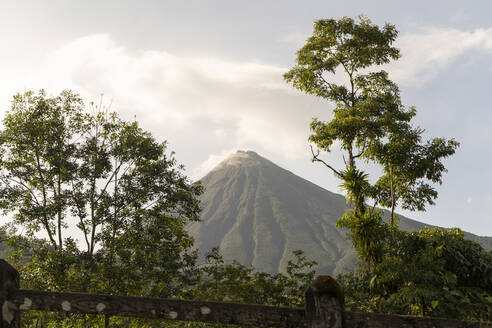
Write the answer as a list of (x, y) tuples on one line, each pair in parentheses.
[(361, 152), (103, 190), (317, 159)]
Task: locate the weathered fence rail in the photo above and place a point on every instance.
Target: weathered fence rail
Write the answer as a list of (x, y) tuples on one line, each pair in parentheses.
[(324, 308), (213, 312)]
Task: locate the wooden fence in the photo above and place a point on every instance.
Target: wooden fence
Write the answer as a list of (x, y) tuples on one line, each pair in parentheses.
[(324, 308)]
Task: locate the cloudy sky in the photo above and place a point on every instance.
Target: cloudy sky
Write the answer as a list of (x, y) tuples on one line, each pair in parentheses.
[(206, 75)]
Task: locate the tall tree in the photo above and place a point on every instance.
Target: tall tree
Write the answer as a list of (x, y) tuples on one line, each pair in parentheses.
[(365, 102), (339, 63), (64, 170)]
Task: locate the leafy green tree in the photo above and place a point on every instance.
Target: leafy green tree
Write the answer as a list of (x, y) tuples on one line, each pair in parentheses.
[(365, 102), (410, 168), (64, 169), (433, 272), (369, 120), (339, 63)]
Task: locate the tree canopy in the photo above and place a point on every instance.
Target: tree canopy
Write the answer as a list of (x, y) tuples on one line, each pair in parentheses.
[(69, 171), (433, 272), (339, 63)]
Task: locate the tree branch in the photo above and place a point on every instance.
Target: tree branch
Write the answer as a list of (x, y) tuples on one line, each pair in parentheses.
[(330, 85), (115, 172), (81, 217), (7, 180), (317, 159), (361, 152)]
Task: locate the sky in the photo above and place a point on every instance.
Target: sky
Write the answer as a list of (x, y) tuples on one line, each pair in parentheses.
[(206, 75)]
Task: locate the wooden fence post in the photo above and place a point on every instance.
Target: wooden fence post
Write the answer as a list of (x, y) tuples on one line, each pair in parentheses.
[(9, 281), (324, 303)]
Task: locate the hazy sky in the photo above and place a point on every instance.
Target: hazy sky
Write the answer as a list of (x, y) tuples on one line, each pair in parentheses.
[(207, 76)]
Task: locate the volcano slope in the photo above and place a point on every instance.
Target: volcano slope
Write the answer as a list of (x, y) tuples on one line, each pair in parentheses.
[(258, 213)]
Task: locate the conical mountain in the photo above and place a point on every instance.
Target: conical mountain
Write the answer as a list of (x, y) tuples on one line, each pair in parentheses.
[(258, 213)]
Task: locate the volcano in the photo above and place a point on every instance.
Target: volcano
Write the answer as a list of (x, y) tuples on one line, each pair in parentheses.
[(259, 213)]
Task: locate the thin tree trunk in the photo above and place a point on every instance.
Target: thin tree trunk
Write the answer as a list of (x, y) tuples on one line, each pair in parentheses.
[(60, 238), (392, 198), (393, 203), (43, 190)]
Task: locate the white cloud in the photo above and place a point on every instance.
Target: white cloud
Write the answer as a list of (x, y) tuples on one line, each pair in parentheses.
[(217, 103), (211, 103), (425, 53), (211, 162), (469, 200), (429, 51)]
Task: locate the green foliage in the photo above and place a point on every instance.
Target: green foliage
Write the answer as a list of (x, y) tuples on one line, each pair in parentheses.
[(433, 272), (367, 99), (64, 169), (356, 185), (217, 281), (109, 176), (235, 282), (368, 233), (341, 43), (369, 120), (367, 104), (409, 166)]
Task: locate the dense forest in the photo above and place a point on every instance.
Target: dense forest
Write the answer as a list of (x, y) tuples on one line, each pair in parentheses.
[(68, 170)]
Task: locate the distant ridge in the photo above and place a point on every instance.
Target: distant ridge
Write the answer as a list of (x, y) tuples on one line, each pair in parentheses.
[(258, 213)]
